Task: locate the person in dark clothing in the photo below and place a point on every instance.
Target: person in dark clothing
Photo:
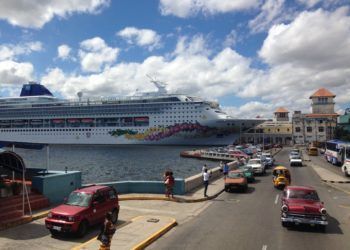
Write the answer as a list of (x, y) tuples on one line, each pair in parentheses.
[(169, 184), (206, 177), (107, 232)]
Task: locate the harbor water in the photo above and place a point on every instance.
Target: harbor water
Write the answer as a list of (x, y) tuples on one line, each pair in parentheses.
[(116, 163)]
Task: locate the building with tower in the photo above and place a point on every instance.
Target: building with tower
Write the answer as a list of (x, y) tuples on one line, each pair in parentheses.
[(274, 131), (318, 126)]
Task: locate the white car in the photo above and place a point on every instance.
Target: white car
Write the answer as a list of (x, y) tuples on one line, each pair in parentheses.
[(297, 161), (294, 155), (346, 168), (257, 165)]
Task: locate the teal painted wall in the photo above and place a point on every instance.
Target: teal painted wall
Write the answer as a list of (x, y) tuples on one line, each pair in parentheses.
[(57, 184), (151, 187)]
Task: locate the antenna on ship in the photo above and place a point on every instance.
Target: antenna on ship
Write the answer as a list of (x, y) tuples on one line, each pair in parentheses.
[(160, 85), (80, 95)]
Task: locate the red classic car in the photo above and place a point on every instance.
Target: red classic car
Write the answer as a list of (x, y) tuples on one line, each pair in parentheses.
[(301, 205)]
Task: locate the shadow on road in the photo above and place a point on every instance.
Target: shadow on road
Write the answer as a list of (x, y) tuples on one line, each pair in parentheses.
[(92, 232), (332, 228), (26, 232)]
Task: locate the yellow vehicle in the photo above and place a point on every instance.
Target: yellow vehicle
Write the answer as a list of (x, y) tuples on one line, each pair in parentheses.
[(281, 177), (312, 151)]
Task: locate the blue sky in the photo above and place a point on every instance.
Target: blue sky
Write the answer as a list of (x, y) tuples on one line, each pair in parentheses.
[(250, 55)]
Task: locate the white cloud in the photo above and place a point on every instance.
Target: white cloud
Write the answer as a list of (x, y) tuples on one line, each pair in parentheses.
[(94, 54), (252, 110), (192, 46), (11, 51), (298, 65), (63, 51), (15, 73), (309, 3), (142, 37), (231, 39), (272, 11), (318, 40), (34, 14), (187, 8)]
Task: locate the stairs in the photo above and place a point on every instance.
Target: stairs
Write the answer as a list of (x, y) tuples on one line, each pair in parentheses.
[(11, 209)]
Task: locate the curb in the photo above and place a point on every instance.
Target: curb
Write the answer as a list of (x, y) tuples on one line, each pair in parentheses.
[(327, 181), (25, 220), (341, 182), (338, 188), (155, 236), (176, 199)]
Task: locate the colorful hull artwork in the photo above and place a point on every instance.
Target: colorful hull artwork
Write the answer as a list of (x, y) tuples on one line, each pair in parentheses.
[(156, 134)]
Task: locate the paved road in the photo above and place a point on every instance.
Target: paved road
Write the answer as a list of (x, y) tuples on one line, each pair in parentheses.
[(252, 221)]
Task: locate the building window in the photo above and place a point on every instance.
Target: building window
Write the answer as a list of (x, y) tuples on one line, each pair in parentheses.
[(297, 129), (320, 129), (309, 129)]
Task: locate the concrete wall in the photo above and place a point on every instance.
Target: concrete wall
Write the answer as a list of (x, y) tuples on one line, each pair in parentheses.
[(151, 187), (196, 181), (56, 185)]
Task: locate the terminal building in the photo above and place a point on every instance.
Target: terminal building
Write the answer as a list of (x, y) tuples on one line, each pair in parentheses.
[(275, 131), (318, 126)]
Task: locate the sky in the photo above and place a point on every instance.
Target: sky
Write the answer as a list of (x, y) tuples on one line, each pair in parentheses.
[(251, 56)]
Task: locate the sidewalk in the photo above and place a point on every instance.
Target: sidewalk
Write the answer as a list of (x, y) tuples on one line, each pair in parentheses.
[(143, 230)]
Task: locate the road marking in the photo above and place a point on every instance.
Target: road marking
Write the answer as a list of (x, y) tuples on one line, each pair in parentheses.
[(264, 247), (276, 200)]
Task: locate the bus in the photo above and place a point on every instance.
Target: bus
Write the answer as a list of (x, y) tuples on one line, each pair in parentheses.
[(346, 166), (335, 151)]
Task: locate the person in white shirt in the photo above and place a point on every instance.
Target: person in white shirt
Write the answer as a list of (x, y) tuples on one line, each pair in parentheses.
[(204, 168), (206, 177)]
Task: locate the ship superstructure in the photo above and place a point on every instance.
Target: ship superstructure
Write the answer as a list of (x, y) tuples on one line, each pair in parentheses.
[(150, 118)]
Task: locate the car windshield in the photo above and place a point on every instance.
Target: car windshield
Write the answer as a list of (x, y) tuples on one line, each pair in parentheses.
[(254, 162), (295, 156), (79, 199), (246, 168), (302, 194), (234, 175)]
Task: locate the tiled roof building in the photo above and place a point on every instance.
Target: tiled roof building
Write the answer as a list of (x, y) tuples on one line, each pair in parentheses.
[(319, 125)]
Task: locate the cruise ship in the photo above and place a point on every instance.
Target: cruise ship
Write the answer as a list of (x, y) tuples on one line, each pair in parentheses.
[(158, 118)]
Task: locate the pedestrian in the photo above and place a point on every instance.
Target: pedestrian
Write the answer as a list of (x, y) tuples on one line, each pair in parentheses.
[(221, 165), (206, 177), (204, 168), (107, 231), (225, 170), (169, 183)]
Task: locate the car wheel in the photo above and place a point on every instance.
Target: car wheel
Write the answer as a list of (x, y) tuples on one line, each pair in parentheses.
[(285, 224), (115, 214), (54, 232), (83, 227)]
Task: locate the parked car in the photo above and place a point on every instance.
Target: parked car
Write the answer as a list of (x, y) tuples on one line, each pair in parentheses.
[(248, 172), (301, 205), (257, 165), (236, 180), (84, 207)]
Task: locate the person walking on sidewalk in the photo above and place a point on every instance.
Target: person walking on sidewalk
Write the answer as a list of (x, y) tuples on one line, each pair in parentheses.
[(206, 177), (107, 232), (169, 184), (204, 168), (225, 170)]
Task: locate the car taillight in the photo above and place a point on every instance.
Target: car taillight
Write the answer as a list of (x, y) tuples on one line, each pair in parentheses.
[(284, 208)]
